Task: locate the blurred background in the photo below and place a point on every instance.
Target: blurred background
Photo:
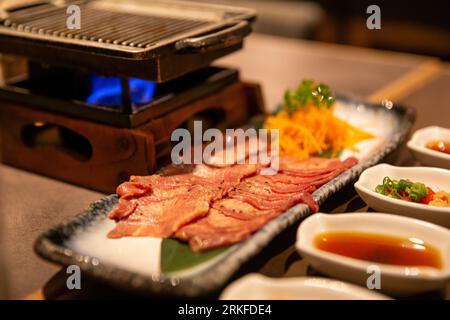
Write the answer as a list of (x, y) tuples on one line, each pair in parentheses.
[(421, 27)]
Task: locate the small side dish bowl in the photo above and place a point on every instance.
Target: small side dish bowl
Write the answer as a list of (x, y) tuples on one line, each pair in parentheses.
[(394, 279), (417, 145), (258, 287), (435, 178)]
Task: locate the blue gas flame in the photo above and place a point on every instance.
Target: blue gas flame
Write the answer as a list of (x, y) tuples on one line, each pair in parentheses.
[(107, 91)]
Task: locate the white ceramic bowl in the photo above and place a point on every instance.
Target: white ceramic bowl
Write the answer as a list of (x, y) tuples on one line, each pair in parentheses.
[(258, 287), (395, 280), (436, 179), (427, 156)]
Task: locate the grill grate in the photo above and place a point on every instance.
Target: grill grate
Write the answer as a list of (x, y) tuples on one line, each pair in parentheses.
[(102, 25), (154, 40)]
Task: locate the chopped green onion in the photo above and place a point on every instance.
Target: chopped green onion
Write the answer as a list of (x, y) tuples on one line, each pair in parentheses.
[(402, 188)]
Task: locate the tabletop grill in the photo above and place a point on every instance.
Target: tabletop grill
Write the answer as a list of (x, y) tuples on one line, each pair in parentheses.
[(94, 105)]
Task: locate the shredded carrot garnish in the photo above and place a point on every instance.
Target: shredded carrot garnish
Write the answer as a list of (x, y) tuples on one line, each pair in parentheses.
[(311, 130)]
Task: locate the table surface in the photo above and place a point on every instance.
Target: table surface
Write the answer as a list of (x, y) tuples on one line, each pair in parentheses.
[(30, 204)]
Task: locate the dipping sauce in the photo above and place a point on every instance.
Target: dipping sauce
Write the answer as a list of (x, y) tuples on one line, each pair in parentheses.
[(380, 248), (439, 145)]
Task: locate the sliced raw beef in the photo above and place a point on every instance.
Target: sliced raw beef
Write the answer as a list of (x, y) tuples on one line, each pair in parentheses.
[(132, 189), (123, 209), (313, 166), (259, 199), (162, 217), (211, 207), (282, 204), (225, 178), (219, 230), (239, 209), (158, 205), (269, 184)]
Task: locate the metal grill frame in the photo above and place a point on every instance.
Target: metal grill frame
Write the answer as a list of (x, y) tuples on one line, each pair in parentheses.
[(166, 59)]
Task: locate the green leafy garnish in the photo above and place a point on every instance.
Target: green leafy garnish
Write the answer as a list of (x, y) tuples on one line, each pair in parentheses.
[(178, 256), (308, 92), (402, 189)]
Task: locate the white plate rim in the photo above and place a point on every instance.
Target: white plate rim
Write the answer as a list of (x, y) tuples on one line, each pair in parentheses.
[(305, 282), (397, 202), (412, 144), (425, 273)]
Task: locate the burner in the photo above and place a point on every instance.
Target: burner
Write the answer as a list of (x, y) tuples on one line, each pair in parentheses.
[(122, 100), (107, 91)]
